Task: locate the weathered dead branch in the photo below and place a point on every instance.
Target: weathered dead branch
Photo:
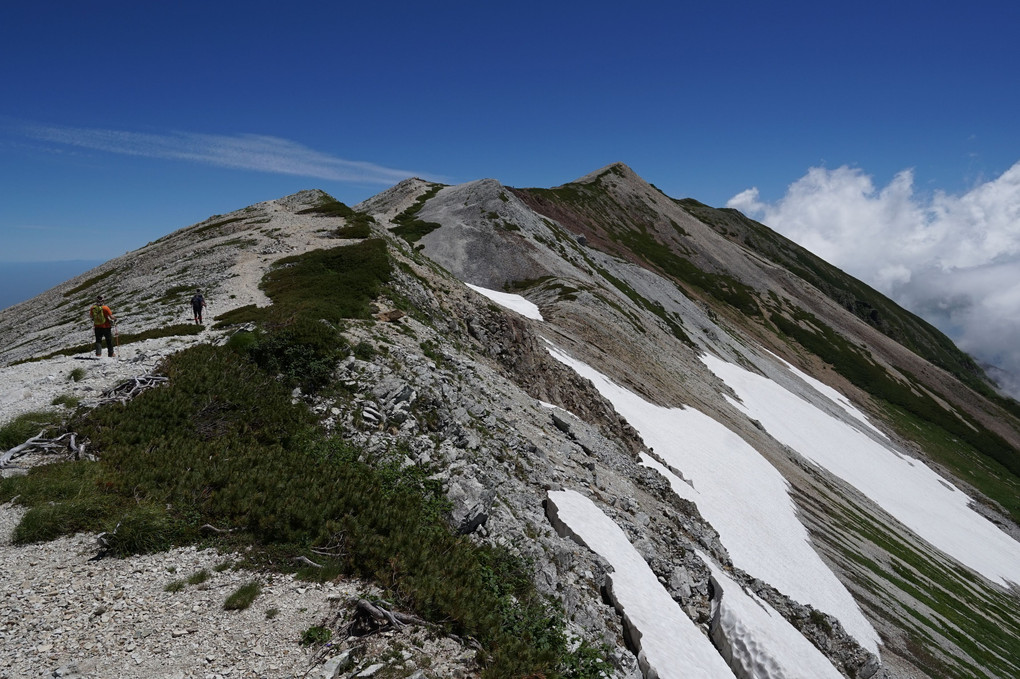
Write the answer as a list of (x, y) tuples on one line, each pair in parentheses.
[(127, 390), (65, 444), (214, 529), (381, 615)]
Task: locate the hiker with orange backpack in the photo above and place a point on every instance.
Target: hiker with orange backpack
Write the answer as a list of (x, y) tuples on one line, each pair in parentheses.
[(102, 320)]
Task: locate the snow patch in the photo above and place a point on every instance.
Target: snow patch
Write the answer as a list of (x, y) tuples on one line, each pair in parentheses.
[(756, 640), (669, 644), (510, 301), (834, 396)]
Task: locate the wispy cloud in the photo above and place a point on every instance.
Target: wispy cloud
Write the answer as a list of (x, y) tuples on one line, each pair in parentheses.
[(259, 153), (952, 259), (35, 227)]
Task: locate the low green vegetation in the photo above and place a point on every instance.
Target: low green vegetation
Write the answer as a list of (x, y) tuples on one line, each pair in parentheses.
[(217, 224), (409, 227), (968, 463), (224, 443), (177, 295), (944, 600), (27, 425), (243, 597), (331, 285), (358, 224), (239, 316), (654, 307), (66, 400), (316, 635), (198, 577), (81, 287), (635, 231), (352, 231), (175, 586), (723, 287)]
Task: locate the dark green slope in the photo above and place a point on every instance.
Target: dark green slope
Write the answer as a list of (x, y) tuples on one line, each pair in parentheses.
[(858, 298)]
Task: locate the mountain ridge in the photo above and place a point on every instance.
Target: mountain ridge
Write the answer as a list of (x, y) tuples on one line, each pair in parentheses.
[(635, 284)]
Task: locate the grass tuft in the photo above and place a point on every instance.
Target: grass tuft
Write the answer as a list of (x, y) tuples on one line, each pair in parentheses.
[(66, 400), (141, 530), (243, 597), (25, 426)]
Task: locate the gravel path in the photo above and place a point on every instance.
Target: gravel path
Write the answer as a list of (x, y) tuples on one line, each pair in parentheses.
[(66, 615)]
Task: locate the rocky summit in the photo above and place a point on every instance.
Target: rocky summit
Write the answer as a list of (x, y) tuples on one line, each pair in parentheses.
[(483, 431)]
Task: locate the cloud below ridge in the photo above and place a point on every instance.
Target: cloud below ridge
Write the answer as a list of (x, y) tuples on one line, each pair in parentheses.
[(260, 153), (952, 259)]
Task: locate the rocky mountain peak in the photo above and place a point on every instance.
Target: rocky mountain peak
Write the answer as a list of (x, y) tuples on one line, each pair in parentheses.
[(617, 169), (395, 199)]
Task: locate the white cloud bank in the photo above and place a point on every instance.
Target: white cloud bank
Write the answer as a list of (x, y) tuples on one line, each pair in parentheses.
[(260, 153), (952, 259)]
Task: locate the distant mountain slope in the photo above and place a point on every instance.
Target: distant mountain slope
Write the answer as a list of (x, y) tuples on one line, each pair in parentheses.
[(770, 283), (863, 301)]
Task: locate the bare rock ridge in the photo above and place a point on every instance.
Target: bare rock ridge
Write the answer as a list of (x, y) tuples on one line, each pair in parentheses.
[(718, 456)]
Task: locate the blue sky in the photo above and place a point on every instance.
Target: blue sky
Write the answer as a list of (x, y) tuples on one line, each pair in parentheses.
[(123, 121)]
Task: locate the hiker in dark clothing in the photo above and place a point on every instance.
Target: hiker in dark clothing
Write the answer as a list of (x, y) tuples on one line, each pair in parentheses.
[(197, 304), (102, 321)]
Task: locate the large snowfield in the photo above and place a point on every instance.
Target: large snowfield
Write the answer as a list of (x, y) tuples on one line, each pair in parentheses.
[(741, 494), (906, 488)]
